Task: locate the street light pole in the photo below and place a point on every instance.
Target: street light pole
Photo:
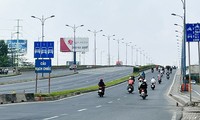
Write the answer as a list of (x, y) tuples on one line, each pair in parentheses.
[(95, 49), (42, 20), (126, 49), (118, 47), (108, 36), (74, 42)]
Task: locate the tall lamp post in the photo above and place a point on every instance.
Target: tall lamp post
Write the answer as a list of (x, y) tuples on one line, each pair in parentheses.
[(42, 20), (95, 49), (74, 42), (108, 36), (118, 47), (126, 49), (183, 50)]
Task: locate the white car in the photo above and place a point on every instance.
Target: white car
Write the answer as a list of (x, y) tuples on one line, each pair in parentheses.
[(193, 82)]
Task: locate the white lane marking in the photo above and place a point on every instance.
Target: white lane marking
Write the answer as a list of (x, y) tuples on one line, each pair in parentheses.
[(125, 96), (118, 99), (98, 106), (110, 102), (50, 118), (64, 114), (82, 110)]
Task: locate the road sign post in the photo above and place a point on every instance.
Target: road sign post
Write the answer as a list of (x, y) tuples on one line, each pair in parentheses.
[(43, 50)]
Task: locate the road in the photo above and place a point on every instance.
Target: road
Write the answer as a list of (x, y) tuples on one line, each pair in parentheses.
[(116, 105), (83, 79)]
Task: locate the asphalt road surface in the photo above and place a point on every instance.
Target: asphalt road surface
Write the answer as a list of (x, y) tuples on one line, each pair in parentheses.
[(117, 104), (83, 79)]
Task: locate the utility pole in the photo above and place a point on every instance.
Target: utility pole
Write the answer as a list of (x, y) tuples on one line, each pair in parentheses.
[(17, 45)]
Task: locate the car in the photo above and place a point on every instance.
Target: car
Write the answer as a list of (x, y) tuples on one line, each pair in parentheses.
[(72, 67), (193, 82)]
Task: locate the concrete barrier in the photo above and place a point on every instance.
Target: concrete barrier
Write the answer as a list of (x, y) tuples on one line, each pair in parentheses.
[(21, 97), (16, 98), (30, 97)]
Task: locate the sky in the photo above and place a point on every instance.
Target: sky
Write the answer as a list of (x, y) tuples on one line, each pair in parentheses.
[(147, 24)]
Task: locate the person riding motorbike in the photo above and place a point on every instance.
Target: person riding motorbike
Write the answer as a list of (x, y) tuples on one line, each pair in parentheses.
[(139, 83), (144, 86), (153, 81), (102, 85), (143, 75), (152, 69), (130, 82)]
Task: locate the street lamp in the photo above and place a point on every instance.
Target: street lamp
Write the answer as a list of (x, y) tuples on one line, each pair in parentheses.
[(42, 21), (183, 53), (95, 32), (74, 42), (118, 47), (108, 36), (126, 49)]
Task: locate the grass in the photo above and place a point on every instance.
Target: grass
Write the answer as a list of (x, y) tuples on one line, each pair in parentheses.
[(85, 89)]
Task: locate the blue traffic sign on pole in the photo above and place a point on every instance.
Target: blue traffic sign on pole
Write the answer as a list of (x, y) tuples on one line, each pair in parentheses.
[(43, 49), (193, 32), (43, 66)]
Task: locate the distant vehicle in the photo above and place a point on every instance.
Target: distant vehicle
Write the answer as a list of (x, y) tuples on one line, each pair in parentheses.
[(193, 82), (72, 67), (119, 63)]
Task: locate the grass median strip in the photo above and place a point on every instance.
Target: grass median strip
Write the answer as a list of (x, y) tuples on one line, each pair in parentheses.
[(85, 89)]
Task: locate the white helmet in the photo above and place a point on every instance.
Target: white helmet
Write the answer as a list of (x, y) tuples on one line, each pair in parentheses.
[(145, 80), (129, 77)]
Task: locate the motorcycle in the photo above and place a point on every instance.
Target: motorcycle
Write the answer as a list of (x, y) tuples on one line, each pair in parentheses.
[(100, 92), (159, 80), (143, 94), (153, 86), (130, 88), (152, 70), (168, 77)]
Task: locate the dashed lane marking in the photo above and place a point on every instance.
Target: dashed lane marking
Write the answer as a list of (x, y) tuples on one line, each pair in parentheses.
[(50, 118), (98, 106), (82, 110), (110, 102), (118, 99)]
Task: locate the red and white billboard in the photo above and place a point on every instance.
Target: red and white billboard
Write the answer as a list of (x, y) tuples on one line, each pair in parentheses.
[(67, 44)]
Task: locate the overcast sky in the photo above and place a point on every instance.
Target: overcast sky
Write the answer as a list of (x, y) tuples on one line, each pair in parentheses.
[(148, 24)]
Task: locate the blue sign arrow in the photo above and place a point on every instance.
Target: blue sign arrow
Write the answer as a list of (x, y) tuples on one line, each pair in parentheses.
[(193, 32)]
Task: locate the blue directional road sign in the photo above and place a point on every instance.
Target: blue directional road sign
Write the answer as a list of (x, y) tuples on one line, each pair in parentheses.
[(43, 49), (193, 32), (43, 66)]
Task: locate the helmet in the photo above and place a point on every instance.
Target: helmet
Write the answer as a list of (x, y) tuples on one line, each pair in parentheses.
[(101, 80), (145, 80), (129, 77)]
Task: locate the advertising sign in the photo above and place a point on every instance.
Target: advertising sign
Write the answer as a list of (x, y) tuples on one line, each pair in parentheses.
[(67, 44), (22, 46), (193, 32), (43, 66), (43, 49)]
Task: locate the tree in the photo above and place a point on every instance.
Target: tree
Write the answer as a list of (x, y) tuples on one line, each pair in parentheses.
[(4, 59)]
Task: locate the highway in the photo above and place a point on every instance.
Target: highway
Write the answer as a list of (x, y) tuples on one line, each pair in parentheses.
[(83, 79), (116, 105)]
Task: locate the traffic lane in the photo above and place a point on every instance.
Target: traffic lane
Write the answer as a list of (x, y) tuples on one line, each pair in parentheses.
[(31, 75), (82, 79), (121, 105), (116, 105)]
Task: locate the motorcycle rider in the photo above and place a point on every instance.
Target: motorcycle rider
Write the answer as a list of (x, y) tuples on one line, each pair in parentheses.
[(102, 85), (139, 83), (143, 75), (130, 82), (144, 86), (153, 81)]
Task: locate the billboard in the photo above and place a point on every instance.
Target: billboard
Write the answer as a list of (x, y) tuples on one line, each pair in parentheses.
[(67, 44), (22, 45)]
